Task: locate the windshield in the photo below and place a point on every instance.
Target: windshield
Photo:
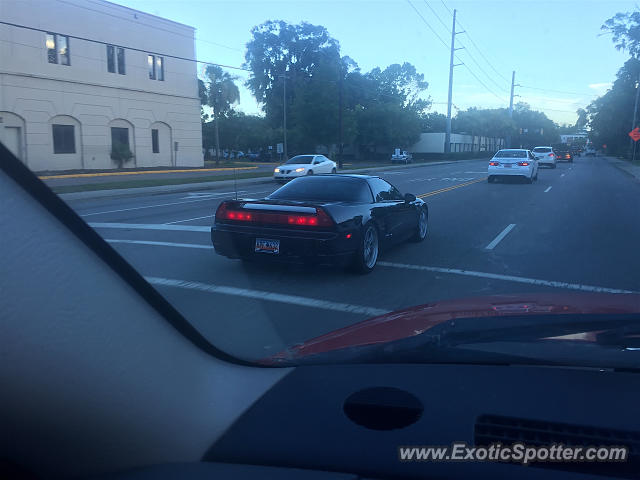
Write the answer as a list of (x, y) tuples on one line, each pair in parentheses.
[(188, 143), (325, 189), (300, 159), (511, 154)]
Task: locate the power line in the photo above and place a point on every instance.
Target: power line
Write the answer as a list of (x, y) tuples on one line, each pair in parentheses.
[(147, 25), (428, 25), (483, 71), (437, 16), (100, 42), (558, 91), (482, 83), (466, 32)]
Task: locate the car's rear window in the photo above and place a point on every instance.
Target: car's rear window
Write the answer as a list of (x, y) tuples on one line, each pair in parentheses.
[(300, 159), (325, 189), (542, 150), (511, 154)]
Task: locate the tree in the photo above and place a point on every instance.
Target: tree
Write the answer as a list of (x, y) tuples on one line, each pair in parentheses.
[(582, 119), (220, 93), (433, 122), (611, 114), (625, 28)]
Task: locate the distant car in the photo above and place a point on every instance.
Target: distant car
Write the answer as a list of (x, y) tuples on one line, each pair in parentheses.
[(254, 157), (322, 219), (590, 152), (513, 162), (563, 153), (403, 157), (302, 165), (545, 156)]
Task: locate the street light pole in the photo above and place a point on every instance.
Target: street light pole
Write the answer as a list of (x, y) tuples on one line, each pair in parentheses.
[(284, 109)]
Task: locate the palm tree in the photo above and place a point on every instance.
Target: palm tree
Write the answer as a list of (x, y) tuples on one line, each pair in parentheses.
[(221, 93)]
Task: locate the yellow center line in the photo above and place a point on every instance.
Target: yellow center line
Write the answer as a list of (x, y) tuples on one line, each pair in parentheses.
[(144, 172), (447, 189)]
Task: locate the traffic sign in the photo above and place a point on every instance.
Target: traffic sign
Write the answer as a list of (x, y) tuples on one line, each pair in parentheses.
[(635, 134)]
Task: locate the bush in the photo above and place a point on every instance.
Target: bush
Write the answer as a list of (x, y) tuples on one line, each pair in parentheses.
[(121, 154)]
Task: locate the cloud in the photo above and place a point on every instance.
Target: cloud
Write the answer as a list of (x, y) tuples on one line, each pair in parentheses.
[(600, 86)]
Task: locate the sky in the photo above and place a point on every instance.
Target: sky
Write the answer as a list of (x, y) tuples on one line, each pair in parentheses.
[(561, 59)]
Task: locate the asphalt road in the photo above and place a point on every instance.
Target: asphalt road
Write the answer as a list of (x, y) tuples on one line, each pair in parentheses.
[(576, 229)]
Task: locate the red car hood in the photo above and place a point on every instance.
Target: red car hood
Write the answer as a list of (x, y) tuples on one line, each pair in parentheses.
[(416, 320)]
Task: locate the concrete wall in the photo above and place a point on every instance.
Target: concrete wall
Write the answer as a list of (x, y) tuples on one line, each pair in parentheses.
[(434, 143), (36, 94)]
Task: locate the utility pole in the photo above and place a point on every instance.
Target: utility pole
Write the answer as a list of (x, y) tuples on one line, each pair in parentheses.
[(447, 137), (513, 81), (340, 117), (284, 109), (635, 112)]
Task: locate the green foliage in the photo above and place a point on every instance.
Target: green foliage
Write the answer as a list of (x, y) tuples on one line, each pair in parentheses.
[(121, 154), (218, 90), (611, 114), (380, 109), (625, 28)]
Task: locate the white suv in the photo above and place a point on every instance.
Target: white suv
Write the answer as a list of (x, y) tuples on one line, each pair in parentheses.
[(545, 156)]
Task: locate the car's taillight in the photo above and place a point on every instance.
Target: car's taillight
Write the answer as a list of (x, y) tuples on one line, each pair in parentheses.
[(523, 164), (551, 155), (494, 164), (319, 219)]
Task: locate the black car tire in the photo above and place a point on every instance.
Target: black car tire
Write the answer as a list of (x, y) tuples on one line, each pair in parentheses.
[(490, 179), (310, 172), (420, 234), (362, 264), (333, 170), (554, 165)]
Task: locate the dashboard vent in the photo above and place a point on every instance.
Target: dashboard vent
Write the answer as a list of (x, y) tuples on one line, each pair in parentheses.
[(509, 430)]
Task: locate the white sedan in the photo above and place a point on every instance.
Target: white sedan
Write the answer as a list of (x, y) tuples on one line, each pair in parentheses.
[(302, 165), (513, 162), (545, 156)]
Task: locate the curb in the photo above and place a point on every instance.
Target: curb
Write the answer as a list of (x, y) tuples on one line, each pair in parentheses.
[(625, 167), (188, 187)]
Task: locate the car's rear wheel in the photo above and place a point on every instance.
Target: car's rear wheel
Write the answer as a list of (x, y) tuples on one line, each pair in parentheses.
[(529, 179), (367, 254), (310, 172), (423, 225), (490, 179), (553, 165), (333, 170)]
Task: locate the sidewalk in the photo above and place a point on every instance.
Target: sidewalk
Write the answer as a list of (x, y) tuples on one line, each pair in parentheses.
[(626, 166), (226, 184)]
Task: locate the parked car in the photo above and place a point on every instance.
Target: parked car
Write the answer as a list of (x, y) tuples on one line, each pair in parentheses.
[(513, 162), (401, 157), (302, 165), (545, 156)]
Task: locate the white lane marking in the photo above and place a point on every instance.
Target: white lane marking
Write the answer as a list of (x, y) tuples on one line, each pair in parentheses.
[(146, 206), (508, 278), (159, 244), (151, 226), (269, 296), (500, 236), (548, 188), (454, 271), (189, 219), (562, 174), (484, 172)]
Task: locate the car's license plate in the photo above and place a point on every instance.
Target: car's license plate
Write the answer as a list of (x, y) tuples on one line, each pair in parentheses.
[(507, 165), (265, 245)]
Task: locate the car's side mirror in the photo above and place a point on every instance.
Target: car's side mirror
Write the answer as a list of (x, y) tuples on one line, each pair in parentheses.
[(409, 197)]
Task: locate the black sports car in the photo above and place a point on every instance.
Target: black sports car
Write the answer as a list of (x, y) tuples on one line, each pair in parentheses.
[(323, 219)]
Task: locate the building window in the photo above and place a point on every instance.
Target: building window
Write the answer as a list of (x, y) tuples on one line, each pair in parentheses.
[(120, 51), (115, 58), (58, 49), (156, 67), (155, 144), (151, 60), (111, 59), (119, 137), (64, 139), (160, 68)]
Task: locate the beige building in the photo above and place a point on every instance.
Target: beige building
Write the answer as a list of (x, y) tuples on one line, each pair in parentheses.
[(88, 84)]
